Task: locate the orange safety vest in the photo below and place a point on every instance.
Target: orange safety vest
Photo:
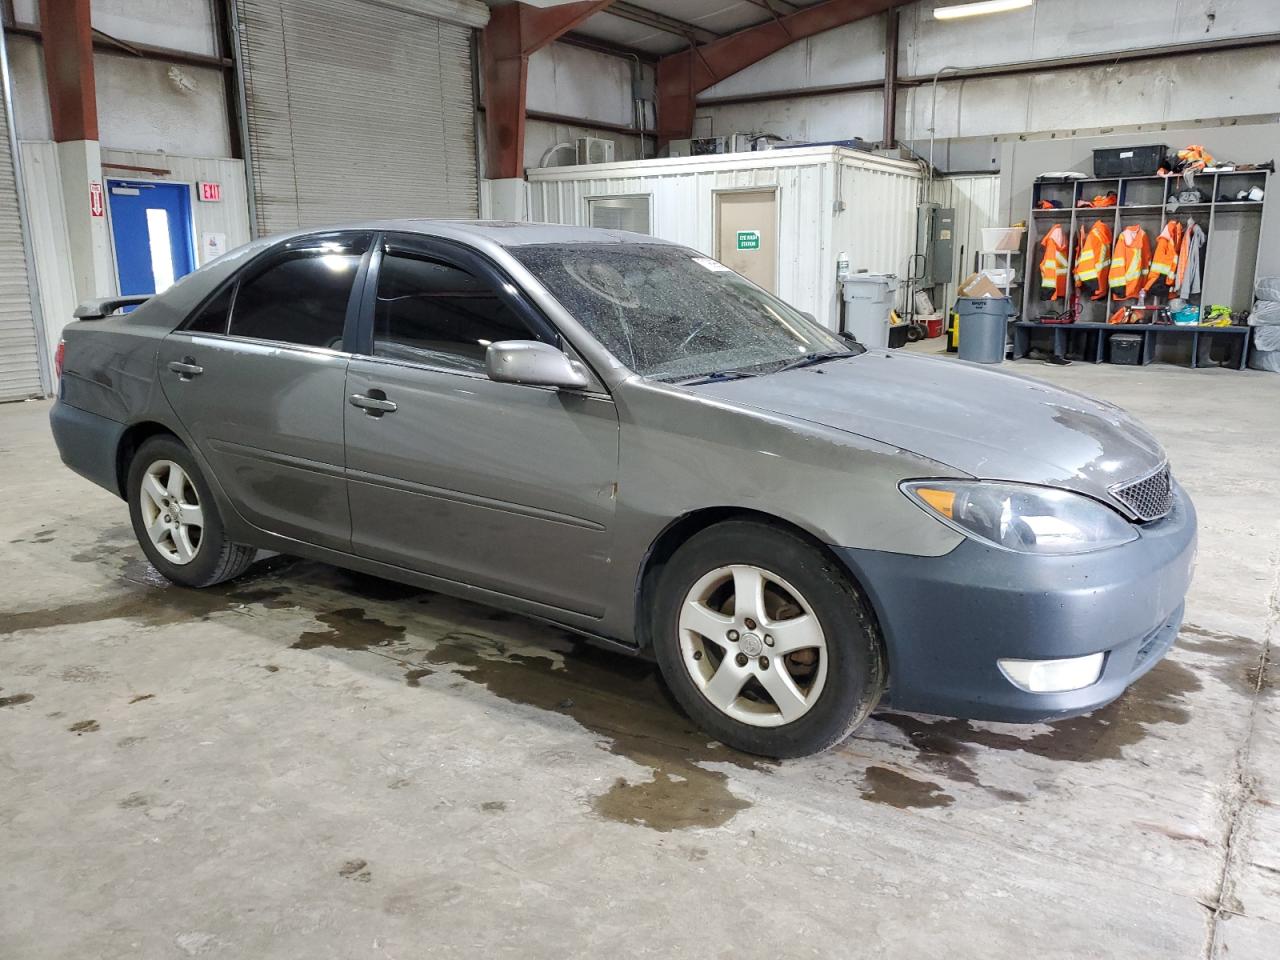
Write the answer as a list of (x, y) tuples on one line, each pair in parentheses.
[(1164, 262), (1053, 265), (1094, 261), (1130, 259)]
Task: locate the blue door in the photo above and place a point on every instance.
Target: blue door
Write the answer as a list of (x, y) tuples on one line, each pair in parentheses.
[(151, 231)]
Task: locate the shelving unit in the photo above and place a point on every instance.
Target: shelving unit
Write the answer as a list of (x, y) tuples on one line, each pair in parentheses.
[(1232, 230), (1000, 260)]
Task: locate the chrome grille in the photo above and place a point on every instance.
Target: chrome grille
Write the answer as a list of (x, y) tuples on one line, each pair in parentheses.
[(1149, 498)]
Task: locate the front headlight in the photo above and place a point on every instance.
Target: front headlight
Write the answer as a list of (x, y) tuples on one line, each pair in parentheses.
[(1022, 517)]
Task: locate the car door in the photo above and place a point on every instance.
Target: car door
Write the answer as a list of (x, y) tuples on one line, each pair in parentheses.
[(258, 379), (502, 486)]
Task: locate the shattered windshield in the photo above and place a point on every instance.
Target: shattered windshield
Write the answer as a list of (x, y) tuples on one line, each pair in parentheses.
[(669, 314)]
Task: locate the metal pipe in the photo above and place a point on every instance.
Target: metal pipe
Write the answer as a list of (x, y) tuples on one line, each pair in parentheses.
[(889, 134), (24, 223), (933, 112), (245, 142)]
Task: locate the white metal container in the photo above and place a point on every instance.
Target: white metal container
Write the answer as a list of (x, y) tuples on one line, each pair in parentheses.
[(829, 200)]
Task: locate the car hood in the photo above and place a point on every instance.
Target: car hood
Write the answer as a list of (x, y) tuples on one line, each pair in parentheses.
[(987, 423)]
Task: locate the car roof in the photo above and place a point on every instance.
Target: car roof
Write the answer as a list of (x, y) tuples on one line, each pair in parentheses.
[(502, 232)]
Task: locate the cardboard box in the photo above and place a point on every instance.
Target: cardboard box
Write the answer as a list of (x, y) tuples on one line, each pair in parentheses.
[(976, 285)]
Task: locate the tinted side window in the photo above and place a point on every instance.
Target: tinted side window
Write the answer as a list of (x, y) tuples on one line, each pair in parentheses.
[(213, 318), (301, 298), (432, 313)]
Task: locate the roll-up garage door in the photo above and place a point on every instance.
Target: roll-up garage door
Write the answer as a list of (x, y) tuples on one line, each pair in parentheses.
[(359, 109), (19, 350)]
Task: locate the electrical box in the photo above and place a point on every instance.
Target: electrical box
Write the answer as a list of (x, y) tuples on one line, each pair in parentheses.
[(937, 225), (594, 150)]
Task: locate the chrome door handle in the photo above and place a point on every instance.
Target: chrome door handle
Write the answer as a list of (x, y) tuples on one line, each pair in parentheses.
[(374, 406), (186, 368)]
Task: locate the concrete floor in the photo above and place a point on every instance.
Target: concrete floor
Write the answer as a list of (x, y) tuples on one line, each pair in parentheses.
[(312, 763)]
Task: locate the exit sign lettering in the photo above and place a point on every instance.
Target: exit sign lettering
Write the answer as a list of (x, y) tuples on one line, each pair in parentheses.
[(210, 192)]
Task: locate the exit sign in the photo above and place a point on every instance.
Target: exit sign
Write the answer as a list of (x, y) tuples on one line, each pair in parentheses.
[(210, 192), (748, 239)]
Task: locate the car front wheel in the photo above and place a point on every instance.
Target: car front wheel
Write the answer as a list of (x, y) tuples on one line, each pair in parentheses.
[(176, 519), (765, 642)]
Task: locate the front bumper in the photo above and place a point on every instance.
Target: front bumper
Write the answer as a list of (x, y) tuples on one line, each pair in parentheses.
[(947, 620)]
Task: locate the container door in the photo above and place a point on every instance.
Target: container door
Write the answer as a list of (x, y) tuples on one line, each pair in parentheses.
[(747, 235)]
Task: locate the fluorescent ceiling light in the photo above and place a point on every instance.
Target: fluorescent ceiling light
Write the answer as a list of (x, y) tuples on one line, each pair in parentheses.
[(979, 8)]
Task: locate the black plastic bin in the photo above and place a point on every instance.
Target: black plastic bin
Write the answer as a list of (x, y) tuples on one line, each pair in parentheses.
[(1129, 161), (1126, 349)]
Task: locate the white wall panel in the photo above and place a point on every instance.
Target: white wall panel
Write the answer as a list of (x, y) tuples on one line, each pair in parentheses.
[(30, 96), (976, 201), (177, 24), (149, 105), (49, 243), (848, 54), (574, 82), (832, 117)]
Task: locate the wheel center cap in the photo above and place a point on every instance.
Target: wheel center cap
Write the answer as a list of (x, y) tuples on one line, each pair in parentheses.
[(751, 645)]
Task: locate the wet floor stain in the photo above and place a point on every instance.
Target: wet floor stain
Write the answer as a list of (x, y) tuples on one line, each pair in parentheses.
[(622, 700), (413, 678), (349, 629), (84, 726), (1159, 697), (17, 699), (1238, 661), (671, 801), (494, 806), (884, 785), (357, 870)]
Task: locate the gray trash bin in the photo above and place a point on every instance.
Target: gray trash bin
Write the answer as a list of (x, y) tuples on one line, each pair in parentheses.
[(984, 327), (868, 300)]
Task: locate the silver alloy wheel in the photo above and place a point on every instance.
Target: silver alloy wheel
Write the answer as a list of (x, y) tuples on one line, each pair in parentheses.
[(753, 645), (171, 512)]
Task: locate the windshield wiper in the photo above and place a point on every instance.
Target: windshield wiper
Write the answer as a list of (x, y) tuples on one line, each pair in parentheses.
[(715, 376), (812, 358)]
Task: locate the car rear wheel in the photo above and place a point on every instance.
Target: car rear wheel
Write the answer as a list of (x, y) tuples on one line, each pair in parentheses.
[(176, 519), (765, 642)]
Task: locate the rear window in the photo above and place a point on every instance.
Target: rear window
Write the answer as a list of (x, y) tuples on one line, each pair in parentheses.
[(301, 297)]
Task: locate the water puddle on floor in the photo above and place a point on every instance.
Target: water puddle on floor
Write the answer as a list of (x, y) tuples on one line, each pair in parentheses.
[(621, 700)]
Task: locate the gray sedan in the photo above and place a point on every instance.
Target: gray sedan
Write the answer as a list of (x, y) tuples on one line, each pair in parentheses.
[(623, 437)]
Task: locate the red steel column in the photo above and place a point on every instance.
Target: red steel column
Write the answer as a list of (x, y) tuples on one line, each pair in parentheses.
[(683, 75), (68, 69), (513, 33)]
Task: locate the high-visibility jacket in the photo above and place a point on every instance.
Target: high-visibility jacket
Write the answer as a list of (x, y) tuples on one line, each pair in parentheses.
[(1130, 258), (1093, 263), (1164, 262), (1053, 265)]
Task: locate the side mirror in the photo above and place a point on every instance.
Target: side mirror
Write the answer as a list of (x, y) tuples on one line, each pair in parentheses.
[(533, 363)]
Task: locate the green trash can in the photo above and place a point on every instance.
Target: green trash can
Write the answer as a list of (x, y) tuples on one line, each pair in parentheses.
[(984, 328)]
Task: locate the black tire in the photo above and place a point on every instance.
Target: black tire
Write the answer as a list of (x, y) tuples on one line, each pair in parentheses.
[(856, 668), (216, 558)]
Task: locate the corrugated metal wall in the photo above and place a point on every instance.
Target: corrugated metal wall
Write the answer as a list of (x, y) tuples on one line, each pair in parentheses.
[(358, 109), (877, 225), (19, 347), (976, 200)]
